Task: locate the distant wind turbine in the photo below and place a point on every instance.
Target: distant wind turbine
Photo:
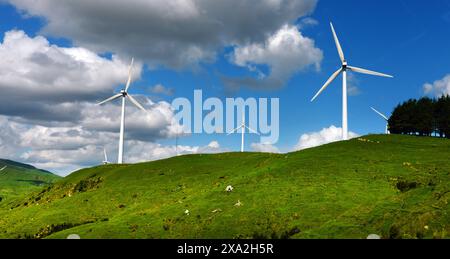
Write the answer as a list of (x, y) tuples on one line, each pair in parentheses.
[(384, 117), (345, 67), (124, 94), (242, 127), (3, 168), (105, 162)]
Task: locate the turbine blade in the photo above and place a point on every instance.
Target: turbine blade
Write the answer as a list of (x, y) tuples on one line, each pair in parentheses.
[(338, 45), (110, 99), (253, 131), (136, 103), (129, 75), (379, 113), (236, 129), (368, 72), (331, 79), (3, 168)]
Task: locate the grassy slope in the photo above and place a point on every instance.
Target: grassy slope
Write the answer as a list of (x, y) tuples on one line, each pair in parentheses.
[(20, 179), (342, 190)]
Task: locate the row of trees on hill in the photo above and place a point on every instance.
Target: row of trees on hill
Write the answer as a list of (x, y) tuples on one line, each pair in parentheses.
[(423, 117)]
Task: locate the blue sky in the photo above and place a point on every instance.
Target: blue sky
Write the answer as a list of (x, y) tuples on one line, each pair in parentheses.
[(406, 38)]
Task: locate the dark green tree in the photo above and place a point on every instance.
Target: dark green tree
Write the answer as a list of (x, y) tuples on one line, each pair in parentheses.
[(442, 116), (422, 117)]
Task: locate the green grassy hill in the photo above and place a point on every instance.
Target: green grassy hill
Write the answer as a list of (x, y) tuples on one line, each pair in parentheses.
[(20, 179), (394, 186)]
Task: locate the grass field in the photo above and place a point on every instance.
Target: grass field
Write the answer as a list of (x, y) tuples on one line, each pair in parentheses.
[(20, 179), (393, 186)]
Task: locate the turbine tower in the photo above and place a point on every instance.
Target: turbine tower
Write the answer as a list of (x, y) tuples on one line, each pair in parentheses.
[(124, 94), (105, 162), (242, 127), (385, 118), (345, 67)]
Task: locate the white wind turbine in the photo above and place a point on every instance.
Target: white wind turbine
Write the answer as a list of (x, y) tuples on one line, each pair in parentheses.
[(242, 127), (384, 117), (345, 67), (124, 94), (105, 162)]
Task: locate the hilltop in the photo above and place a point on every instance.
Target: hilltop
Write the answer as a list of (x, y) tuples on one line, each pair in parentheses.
[(393, 186), (19, 179)]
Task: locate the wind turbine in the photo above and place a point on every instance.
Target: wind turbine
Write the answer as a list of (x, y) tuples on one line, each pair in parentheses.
[(124, 94), (242, 127), (384, 117), (105, 162), (345, 67), (3, 168)]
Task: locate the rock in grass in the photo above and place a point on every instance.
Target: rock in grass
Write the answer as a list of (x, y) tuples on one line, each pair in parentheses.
[(373, 236), (73, 236)]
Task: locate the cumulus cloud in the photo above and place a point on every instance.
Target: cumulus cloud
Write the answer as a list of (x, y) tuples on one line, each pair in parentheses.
[(285, 52), (308, 22), (44, 82), (32, 68), (439, 87), (9, 137), (265, 148), (325, 136), (172, 33)]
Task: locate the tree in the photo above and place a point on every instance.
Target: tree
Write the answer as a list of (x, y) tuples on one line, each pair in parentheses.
[(442, 116), (422, 117)]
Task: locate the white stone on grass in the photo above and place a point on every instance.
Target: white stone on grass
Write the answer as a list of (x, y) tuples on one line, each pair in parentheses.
[(73, 236), (373, 236)]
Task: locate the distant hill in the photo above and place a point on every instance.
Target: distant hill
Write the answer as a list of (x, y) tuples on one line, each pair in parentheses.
[(19, 179), (393, 186)]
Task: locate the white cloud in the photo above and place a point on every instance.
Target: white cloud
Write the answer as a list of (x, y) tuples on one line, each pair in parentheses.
[(286, 52), (439, 87), (265, 148), (325, 136), (32, 68), (308, 22), (214, 145), (160, 89), (9, 137), (172, 33)]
